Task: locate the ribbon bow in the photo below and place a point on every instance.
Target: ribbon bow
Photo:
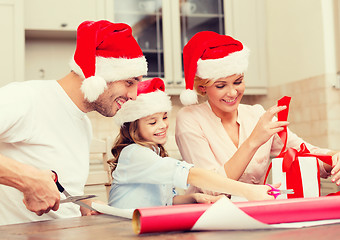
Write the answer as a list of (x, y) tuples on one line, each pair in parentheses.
[(293, 173), (292, 154)]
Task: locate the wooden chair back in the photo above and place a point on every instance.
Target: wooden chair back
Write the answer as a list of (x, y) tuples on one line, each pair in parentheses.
[(100, 178)]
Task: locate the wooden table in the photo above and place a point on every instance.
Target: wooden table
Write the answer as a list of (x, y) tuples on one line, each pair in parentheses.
[(102, 227)]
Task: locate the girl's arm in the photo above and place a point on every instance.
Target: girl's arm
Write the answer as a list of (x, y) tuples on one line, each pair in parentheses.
[(209, 180), (195, 198)]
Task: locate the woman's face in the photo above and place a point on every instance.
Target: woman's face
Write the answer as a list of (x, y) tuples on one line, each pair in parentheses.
[(225, 94), (154, 128)]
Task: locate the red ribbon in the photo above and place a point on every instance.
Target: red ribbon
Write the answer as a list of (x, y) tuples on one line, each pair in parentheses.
[(290, 163), (283, 116)]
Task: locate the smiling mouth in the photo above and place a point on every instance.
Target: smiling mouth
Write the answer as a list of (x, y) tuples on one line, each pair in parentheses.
[(120, 102), (229, 101), (162, 134)]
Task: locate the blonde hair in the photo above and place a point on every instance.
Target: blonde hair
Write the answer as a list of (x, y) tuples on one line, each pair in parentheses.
[(129, 134), (201, 82)]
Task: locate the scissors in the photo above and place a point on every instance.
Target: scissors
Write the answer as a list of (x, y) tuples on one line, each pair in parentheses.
[(276, 192), (70, 198)]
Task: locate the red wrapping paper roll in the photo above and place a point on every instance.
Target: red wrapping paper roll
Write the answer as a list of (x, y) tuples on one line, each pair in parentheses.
[(167, 219), (184, 217), (293, 210)]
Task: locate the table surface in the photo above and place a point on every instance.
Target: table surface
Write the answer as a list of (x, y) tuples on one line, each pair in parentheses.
[(101, 227)]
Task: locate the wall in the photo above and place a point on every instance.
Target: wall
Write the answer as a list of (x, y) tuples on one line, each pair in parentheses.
[(303, 44), (294, 40), (302, 63)]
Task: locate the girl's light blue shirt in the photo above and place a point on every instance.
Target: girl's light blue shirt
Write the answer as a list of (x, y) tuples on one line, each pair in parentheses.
[(145, 179)]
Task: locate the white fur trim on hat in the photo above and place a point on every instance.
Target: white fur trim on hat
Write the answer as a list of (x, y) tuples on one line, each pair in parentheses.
[(144, 105), (92, 87), (234, 63), (114, 69), (188, 97)]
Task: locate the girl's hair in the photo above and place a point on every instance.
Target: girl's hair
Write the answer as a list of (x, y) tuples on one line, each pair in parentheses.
[(129, 134), (201, 82)]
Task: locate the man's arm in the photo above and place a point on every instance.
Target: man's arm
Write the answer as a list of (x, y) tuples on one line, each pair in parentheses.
[(38, 186)]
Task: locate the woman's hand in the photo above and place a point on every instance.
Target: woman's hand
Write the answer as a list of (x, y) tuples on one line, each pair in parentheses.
[(260, 192), (266, 128), (336, 168), (263, 131)]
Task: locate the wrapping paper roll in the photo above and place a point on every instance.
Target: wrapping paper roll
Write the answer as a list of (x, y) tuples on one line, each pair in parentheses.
[(293, 210), (184, 217), (166, 219)]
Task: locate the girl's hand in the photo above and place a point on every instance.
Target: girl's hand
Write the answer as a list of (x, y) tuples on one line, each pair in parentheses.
[(205, 198), (266, 128), (260, 192), (87, 212), (336, 168)]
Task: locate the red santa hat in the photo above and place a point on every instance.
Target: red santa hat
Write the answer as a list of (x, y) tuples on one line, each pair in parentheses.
[(150, 99), (210, 55), (106, 52)]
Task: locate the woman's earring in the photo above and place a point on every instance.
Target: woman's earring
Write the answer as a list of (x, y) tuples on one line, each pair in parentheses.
[(202, 89)]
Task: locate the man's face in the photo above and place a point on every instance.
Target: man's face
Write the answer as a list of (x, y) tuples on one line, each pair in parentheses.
[(116, 94)]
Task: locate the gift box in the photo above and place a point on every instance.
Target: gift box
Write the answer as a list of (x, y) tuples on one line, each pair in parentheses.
[(296, 169)]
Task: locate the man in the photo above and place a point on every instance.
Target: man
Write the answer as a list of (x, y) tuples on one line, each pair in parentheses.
[(44, 127)]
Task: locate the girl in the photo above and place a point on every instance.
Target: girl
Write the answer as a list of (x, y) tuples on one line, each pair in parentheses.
[(230, 138), (144, 175)]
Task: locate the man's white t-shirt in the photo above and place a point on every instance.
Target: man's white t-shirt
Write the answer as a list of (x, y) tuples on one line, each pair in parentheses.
[(41, 126)]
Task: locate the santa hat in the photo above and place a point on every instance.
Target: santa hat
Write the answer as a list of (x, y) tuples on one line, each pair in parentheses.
[(210, 55), (106, 52), (150, 99)]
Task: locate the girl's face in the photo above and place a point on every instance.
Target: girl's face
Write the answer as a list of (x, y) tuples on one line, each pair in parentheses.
[(154, 128), (225, 94)]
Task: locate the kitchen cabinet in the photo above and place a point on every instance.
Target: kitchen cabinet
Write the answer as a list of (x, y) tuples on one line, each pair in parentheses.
[(62, 14), (163, 27), (246, 21), (50, 32), (12, 41)]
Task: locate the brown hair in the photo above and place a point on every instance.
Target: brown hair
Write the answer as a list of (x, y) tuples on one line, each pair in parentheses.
[(129, 134)]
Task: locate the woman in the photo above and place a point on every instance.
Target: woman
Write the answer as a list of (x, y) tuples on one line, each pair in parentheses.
[(221, 134)]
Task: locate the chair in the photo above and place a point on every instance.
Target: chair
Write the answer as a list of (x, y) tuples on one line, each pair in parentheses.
[(99, 179)]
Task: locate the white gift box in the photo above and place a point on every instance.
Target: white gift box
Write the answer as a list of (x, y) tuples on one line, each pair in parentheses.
[(310, 177)]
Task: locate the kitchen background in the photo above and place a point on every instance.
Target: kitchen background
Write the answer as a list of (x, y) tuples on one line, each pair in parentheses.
[(294, 51)]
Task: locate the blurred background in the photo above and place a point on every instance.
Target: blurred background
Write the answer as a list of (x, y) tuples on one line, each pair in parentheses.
[(294, 50)]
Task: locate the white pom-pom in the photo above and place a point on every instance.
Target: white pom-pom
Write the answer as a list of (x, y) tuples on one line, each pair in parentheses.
[(188, 97), (92, 87)]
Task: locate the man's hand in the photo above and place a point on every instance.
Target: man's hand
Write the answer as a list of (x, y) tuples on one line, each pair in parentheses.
[(40, 192)]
